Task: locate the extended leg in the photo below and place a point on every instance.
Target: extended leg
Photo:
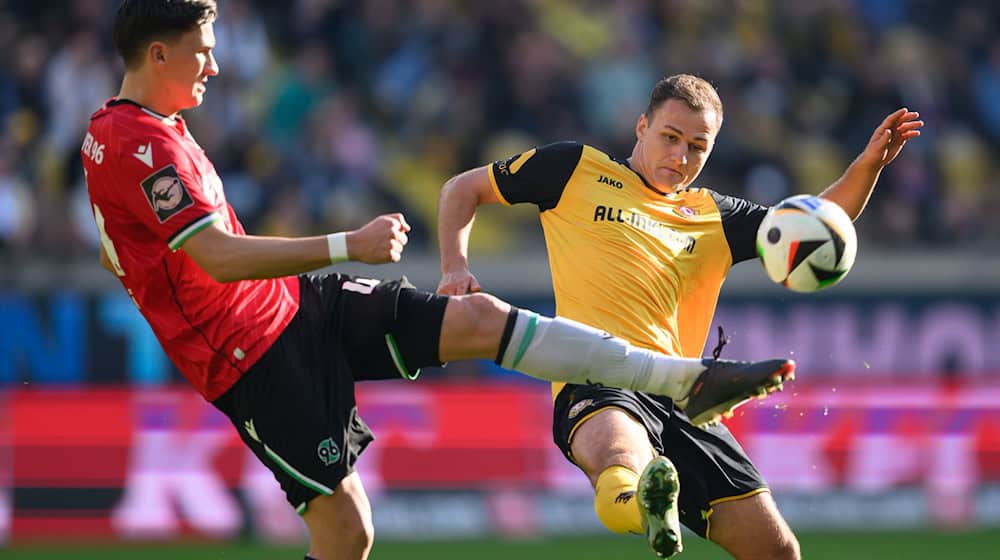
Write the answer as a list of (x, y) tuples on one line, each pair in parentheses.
[(480, 325)]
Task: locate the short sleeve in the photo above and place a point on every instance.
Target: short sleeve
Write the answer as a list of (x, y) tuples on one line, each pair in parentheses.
[(166, 191), (538, 175), (740, 221)]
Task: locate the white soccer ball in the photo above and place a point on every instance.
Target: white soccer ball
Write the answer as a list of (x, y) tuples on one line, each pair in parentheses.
[(807, 243)]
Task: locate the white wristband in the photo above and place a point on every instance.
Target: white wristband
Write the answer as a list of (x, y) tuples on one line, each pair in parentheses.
[(336, 243)]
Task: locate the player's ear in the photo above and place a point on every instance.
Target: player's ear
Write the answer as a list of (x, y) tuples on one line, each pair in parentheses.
[(157, 52), (640, 125)]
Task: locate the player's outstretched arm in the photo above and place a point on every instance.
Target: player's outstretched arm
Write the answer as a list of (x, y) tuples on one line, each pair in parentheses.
[(460, 197), (853, 189), (229, 258)]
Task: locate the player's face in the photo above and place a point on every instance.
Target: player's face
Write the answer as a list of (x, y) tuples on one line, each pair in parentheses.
[(673, 146), (186, 66)]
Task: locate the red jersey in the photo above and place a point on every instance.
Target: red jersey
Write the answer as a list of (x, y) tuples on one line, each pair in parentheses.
[(152, 187)]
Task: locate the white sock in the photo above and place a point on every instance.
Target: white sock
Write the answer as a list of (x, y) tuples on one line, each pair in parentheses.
[(564, 350)]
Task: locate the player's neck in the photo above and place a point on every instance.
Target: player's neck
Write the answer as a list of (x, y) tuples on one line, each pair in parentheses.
[(636, 167), (139, 90)]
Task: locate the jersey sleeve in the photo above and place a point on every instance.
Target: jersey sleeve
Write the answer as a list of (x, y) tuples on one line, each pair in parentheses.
[(164, 190), (537, 176), (740, 220)]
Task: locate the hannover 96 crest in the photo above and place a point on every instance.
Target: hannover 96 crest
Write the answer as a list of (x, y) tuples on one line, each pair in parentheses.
[(328, 451)]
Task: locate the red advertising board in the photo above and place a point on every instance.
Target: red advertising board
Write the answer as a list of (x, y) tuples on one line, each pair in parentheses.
[(159, 462)]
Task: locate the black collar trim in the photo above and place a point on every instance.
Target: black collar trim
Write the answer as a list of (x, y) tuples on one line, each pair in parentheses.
[(639, 175), (123, 101)]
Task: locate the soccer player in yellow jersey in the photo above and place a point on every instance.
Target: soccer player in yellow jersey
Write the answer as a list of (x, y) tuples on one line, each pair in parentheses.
[(636, 251)]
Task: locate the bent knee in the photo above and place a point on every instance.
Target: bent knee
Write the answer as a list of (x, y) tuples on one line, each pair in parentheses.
[(359, 532), (786, 548), (479, 306), (354, 533), (782, 547), (340, 525), (473, 325), (611, 437)]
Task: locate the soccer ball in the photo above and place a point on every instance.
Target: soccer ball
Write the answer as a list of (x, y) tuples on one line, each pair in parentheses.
[(806, 243)]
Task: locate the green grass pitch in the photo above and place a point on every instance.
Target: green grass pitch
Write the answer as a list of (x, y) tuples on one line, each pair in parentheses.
[(857, 546)]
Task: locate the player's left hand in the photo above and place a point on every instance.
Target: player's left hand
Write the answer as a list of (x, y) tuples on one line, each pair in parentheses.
[(379, 241), (890, 137)]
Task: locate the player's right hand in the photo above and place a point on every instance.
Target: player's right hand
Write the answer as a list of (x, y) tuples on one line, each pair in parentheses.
[(379, 241), (458, 283), (890, 137)]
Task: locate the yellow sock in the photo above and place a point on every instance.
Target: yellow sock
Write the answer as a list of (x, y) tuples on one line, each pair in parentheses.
[(614, 500)]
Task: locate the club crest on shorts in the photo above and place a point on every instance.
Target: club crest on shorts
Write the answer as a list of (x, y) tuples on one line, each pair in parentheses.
[(578, 407), (166, 193), (328, 451)]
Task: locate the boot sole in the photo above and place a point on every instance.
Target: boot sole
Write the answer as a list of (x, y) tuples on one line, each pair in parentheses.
[(722, 410), (663, 530)]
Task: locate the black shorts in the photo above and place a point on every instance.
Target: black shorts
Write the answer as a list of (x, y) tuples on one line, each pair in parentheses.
[(712, 466), (295, 407)]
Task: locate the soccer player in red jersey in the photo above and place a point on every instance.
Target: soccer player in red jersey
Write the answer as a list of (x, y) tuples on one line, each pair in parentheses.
[(278, 351)]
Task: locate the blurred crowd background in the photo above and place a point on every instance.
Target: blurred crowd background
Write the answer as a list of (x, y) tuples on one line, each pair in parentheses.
[(327, 112)]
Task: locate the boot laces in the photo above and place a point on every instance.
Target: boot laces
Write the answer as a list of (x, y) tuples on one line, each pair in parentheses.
[(723, 340)]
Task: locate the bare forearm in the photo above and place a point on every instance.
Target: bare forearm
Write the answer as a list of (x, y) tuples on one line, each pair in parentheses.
[(228, 258), (456, 214), (253, 258), (853, 189)]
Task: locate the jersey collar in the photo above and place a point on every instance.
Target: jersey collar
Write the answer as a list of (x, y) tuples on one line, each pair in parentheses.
[(639, 175), (124, 101)]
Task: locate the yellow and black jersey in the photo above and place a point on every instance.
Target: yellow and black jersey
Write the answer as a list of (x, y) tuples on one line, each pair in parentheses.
[(626, 258)]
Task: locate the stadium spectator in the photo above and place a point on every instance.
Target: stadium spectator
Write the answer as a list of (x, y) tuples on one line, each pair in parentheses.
[(445, 70)]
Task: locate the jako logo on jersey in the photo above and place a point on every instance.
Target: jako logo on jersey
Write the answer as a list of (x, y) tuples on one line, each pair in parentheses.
[(93, 149), (166, 193), (328, 451), (514, 164), (609, 181), (145, 154)]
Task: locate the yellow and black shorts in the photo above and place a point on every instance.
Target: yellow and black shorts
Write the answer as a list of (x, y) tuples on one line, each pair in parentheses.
[(712, 466)]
